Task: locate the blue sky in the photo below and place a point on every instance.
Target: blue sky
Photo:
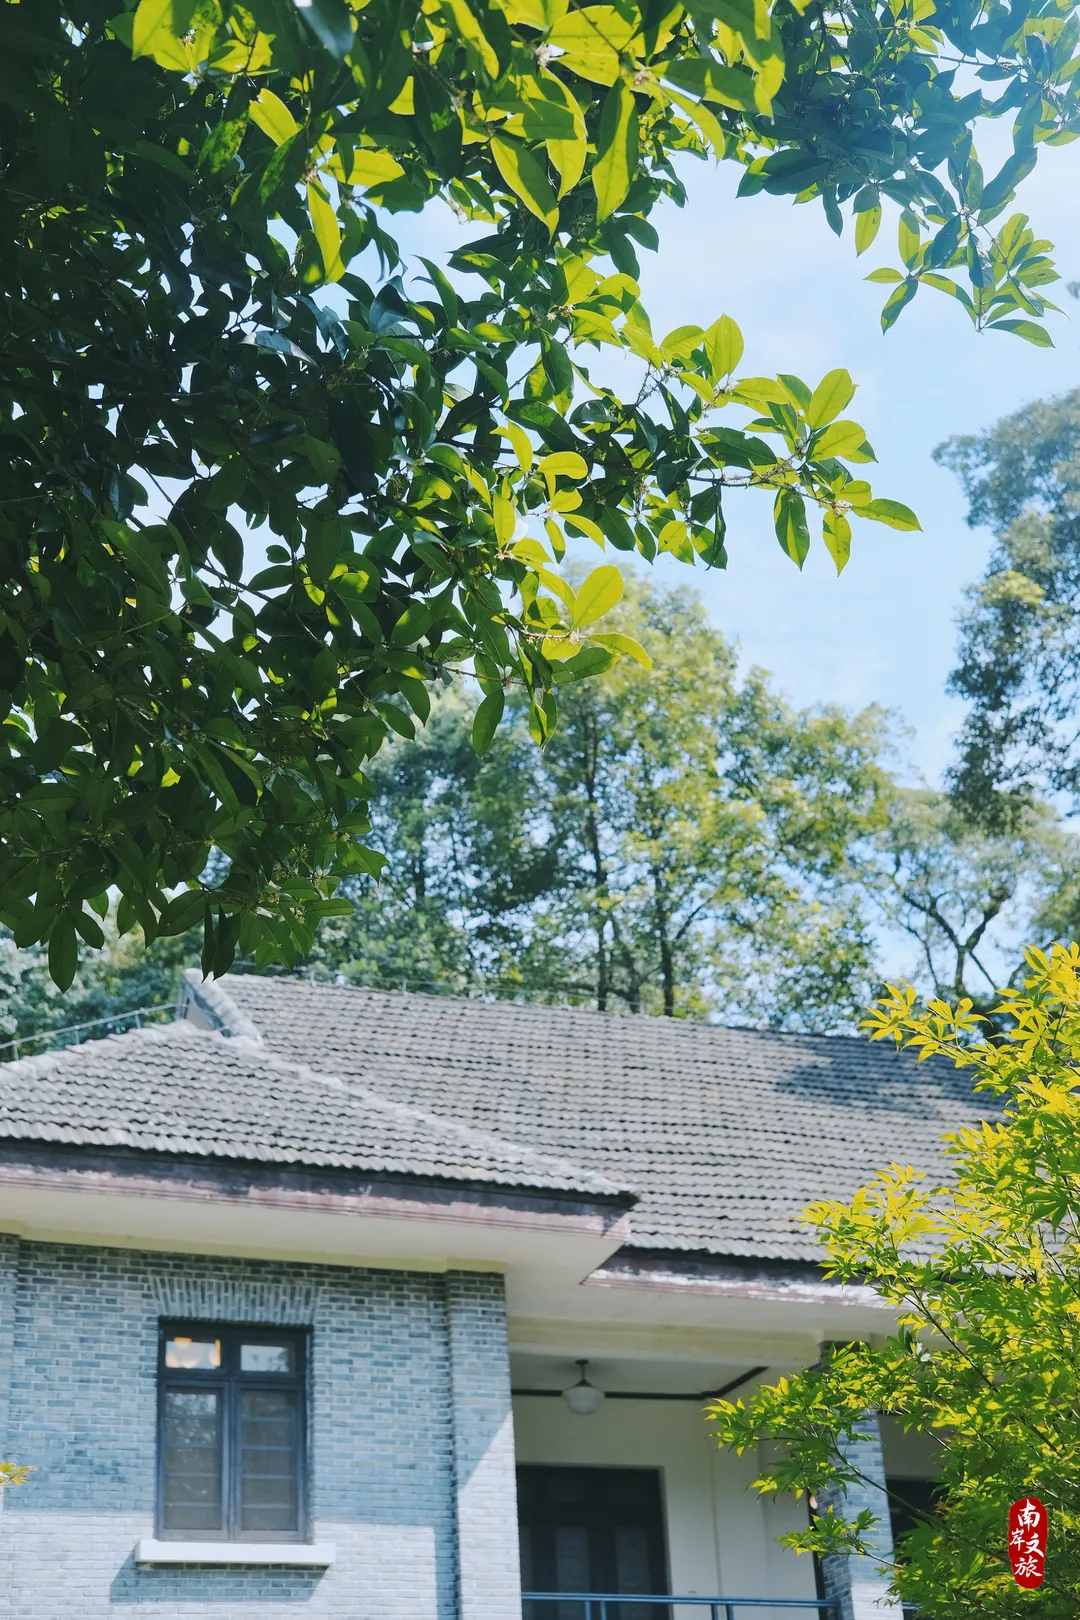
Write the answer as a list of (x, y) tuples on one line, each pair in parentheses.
[(885, 631)]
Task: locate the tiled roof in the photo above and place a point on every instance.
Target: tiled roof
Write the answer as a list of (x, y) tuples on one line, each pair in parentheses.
[(181, 1090), (726, 1134)]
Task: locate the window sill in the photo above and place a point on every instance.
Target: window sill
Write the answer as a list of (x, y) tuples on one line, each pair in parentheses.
[(294, 1554)]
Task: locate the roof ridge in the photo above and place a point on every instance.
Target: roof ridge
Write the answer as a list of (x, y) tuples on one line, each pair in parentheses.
[(212, 999), (658, 1020)]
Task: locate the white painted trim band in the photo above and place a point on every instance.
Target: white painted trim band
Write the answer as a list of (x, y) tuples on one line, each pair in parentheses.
[(296, 1554)]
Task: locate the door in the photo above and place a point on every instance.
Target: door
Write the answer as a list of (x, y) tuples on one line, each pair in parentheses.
[(592, 1530)]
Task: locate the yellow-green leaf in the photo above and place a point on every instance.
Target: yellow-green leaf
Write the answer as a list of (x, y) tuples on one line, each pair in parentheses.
[(844, 438), (524, 174), (675, 537), (836, 532), (616, 642), (505, 517), (556, 649), (711, 132), (583, 525), (568, 159), (327, 231), (617, 149), (273, 117), (522, 445), (590, 41), (907, 234), (567, 151), (723, 347), (158, 30), (598, 595), (866, 227), (565, 462), (461, 20), (894, 513), (680, 344), (370, 167), (580, 279), (833, 394)]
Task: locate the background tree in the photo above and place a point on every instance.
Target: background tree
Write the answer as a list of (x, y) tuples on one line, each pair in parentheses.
[(1019, 663), (966, 895), (686, 843), (191, 355), (984, 1275)]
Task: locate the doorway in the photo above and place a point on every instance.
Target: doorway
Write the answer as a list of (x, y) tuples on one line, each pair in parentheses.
[(592, 1530)]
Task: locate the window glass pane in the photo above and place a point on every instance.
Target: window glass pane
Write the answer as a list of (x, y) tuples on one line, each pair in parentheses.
[(266, 1358), (269, 1460), (191, 1440), (193, 1355)]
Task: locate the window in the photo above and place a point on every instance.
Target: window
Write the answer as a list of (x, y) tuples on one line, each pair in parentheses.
[(592, 1530), (231, 1433)]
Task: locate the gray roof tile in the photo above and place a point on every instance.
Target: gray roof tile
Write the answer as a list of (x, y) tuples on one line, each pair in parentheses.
[(180, 1090), (725, 1133)]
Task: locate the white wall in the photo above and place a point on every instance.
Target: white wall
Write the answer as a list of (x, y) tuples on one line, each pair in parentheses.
[(721, 1536)]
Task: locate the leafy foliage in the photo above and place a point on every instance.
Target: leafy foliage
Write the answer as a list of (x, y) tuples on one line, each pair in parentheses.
[(1019, 662), (192, 357), (984, 1275)]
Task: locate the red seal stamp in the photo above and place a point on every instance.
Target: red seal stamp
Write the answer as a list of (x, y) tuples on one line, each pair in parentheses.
[(1028, 1523)]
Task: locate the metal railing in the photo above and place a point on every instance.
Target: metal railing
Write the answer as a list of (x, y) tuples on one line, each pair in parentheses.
[(599, 1605), (110, 1022)]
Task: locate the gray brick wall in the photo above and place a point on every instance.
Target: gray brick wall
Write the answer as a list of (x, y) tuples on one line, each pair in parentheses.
[(860, 1585), (485, 1483), (411, 1461)]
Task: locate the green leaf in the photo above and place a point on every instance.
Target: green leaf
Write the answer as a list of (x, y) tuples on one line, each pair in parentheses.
[(322, 543), (789, 517), (723, 347), (486, 721), (836, 532), (63, 952), (616, 642), (617, 149), (894, 513), (1028, 330), (524, 174), (598, 595), (896, 301), (331, 21), (866, 227), (885, 274), (447, 295), (833, 394)]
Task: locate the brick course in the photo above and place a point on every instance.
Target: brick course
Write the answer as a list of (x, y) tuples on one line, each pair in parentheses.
[(860, 1586), (411, 1457)]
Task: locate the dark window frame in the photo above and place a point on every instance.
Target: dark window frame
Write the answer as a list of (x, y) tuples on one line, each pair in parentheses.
[(230, 1381)]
